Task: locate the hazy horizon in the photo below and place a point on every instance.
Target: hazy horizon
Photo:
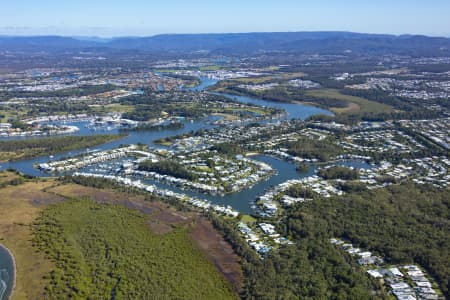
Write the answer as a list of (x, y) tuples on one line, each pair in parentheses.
[(141, 18), (105, 37)]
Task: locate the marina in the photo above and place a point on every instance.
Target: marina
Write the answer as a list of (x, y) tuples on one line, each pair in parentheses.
[(240, 201)]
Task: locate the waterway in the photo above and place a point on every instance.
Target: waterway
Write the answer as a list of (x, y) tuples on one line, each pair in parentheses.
[(297, 111), (7, 275), (240, 200)]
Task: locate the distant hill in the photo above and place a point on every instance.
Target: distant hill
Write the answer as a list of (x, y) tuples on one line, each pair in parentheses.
[(43, 43), (244, 43)]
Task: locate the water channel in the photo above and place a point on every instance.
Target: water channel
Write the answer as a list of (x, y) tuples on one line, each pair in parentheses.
[(240, 201)]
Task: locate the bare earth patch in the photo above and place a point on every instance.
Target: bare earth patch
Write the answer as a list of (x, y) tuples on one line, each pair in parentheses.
[(219, 252), (352, 107)]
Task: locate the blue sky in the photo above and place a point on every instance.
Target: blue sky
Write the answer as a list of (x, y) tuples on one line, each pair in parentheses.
[(146, 17)]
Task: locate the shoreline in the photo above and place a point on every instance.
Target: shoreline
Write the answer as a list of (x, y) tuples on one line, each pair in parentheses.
[(14, 270)]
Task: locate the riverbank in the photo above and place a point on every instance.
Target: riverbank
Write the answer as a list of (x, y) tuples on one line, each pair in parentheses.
[(13, 284), (14, 150), (329, 99), (285, 171), (293, 110)]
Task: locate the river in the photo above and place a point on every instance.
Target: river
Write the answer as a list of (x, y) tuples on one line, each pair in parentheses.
[(7, 275), (297, 111), (240, 200)]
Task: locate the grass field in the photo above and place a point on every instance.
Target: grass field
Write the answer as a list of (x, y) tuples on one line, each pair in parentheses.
[(5, 115), (113, 107), (166, 70), (8, 177), (167, 251), (19, 207), (210, 68), (227, 117), (256, 110), (273, 68), (269, 78), (247, 219), (356, 104)]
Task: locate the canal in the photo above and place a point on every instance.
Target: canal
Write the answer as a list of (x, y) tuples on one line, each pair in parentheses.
[(240, 200)]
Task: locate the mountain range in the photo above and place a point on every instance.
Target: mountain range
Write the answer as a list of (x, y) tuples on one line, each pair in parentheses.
[(241, 43)]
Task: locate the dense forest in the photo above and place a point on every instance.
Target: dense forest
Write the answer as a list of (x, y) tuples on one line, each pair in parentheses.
[(354, 118), (404, 223), (338, 172), (313, 149), (167, 167), (151, 127), (284, 94), (298, 190), (310, 269), (401, 103), (228, 148), (107, 252), (21, 149)]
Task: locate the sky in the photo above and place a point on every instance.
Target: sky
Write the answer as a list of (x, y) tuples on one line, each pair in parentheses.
[(107, 18)]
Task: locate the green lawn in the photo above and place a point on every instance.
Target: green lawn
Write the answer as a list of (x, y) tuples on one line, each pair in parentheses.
[(113, 107), (210, 68), (256, 110), (102, 251), (247, 219), (6, 114), (204, 169)]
